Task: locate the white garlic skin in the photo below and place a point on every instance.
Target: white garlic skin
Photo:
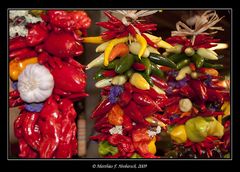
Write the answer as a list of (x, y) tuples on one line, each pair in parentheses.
[(35, 83)]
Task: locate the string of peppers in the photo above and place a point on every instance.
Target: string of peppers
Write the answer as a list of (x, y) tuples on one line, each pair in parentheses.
[(146, 93)]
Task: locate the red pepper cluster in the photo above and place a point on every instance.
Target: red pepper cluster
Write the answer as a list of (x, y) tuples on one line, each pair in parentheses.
[(51, 131), (136, 105), (116, 28), (201, 41), (207, 97)]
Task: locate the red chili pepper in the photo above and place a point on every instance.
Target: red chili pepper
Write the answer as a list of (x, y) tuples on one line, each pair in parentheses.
[(214, 95), (142, 99), (149, 110), (199, 88), (187, 91), (172, 100), (159, 82), (109, 73), (128, 87), (31, 135), (36, 35), (111, 17), (173, 109), (100, 137), (162, 118), (22, 54), (15, 99), (132, 111), (131, 30), (139, 66), (17, 43), (153, 94), (149, 42), (127, 123), (102, 109), (106, 25), (124, 98), (18, 125), (25, 150)]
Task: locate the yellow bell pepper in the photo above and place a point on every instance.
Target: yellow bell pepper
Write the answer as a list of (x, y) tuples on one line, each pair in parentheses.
[(93, 39), (178, 134), (17, 66), (152, 147), (143, 44), (139, 81), (110, 46), (226, 109)]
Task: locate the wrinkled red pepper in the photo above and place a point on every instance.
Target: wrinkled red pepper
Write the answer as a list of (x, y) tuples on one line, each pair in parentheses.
[(132, 111), (22, 54), (102, 109), (17, 43)]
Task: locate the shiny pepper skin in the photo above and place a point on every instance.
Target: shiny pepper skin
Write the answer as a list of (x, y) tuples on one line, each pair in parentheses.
[(138, 81), (17, 66)]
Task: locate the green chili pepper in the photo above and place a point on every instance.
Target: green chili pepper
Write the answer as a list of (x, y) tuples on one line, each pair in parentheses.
[(147, 78), (98, 75), (198, 60), (147, 64), (105, 149), (176, 58), (156, 71), (124, 64), (158, 59), (112, 64), (183, 63), (215, 66), (129, 73), (135, 155)]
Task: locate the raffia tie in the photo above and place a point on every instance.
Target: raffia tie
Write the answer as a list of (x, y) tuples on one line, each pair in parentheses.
[(134, 15), (202, 23)]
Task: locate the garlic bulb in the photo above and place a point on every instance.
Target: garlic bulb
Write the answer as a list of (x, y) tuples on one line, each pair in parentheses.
[(35, 83)]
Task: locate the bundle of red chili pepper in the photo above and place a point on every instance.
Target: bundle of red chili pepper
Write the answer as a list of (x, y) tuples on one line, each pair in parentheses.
[(46, 126), (198, 106)]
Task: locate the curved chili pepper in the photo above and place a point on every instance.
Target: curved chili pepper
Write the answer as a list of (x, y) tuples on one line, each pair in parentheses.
[(31, 135), (149, 42), (17, 43), (214, 95), (187, 91), (128, 87), (139, 66), (127, 123), (132, 111), (109, 73), (149, 110), (100, 137), (153, 94), (102, 109), (159, 82), (172, 100), (124, 98), (106, 25), (18, 125), (199, 88), (14, 99), (22, 53), (112, 18)]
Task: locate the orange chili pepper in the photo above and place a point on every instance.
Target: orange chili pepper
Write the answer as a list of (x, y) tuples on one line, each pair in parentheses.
[(115, 116), (165, 68), (185, 114), (119, 50), (192, 66)]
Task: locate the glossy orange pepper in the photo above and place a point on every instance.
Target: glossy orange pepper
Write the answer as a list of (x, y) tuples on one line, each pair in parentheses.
[(17, 66), (115, 116)]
